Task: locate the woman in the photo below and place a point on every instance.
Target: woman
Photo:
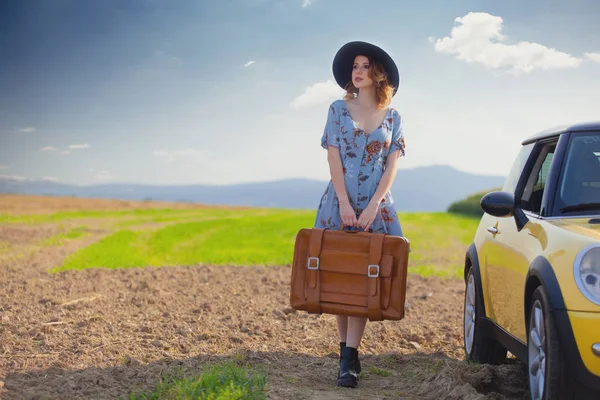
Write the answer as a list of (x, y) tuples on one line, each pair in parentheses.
[(364, 140)]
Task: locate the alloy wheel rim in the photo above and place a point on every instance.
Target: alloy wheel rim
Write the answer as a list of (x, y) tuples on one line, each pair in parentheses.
[(469, 317), (537, 353)]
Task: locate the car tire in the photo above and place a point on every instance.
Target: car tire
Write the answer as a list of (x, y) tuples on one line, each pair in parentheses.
[(478, 346), (545, 356)]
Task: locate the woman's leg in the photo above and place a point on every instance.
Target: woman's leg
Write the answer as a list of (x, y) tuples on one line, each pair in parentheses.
[(342, 325), (356, 328), (349, 363)]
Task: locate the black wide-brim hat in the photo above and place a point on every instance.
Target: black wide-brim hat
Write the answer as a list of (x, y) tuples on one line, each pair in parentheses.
[(344, 58)]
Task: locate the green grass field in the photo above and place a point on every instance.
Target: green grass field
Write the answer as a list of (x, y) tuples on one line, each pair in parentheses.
[(164, 237), (223, 381)]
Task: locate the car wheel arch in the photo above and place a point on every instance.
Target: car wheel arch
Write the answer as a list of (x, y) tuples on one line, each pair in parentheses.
[(472, 262), (541, 273), (468, 266), (533, 282)]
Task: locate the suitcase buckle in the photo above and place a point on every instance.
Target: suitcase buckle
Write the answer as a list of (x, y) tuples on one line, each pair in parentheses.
[(313, 263), (373, 275)]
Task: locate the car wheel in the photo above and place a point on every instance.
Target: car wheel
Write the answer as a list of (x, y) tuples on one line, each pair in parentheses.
[(478, 347), (549, 377)]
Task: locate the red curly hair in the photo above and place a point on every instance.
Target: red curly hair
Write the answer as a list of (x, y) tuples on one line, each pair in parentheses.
[(384, 91)]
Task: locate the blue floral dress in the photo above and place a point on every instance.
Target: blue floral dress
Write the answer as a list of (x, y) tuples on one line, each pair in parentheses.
[(363, 160)]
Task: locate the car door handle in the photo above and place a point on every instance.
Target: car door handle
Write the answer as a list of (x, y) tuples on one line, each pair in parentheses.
[(493, 230)]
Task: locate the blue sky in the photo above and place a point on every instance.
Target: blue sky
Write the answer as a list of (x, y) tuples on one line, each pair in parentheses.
[(157, 91)]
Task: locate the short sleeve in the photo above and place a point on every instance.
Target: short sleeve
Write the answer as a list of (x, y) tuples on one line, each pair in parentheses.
[(331, 133), (397, 135)]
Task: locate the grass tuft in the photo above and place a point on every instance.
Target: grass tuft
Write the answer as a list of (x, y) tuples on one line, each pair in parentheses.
[(59, 240), (223, 381), (373, 370)]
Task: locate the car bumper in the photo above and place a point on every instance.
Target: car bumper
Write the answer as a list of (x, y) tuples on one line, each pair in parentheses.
[(580, 337)]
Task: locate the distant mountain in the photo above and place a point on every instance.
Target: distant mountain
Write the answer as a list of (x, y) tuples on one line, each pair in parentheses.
[(420, 189)]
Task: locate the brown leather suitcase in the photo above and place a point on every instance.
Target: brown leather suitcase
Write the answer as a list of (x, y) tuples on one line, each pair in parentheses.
[(352, 273)]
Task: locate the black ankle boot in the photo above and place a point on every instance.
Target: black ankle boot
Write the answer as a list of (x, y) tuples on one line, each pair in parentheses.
[(348, 377), (358, 369)]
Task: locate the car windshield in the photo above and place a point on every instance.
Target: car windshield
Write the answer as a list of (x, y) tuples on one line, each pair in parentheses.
[(579, 189)]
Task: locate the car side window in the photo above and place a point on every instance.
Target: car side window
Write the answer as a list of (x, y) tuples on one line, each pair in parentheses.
[(510, 184), (531, 199), (580, 181)]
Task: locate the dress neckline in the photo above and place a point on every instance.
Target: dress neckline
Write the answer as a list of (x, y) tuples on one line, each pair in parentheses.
[(358, 126)]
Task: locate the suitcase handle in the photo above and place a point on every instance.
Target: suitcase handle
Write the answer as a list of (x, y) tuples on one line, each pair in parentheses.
[(343, 227)]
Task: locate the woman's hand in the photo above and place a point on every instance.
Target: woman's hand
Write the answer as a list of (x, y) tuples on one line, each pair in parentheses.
[(368, 216), (347, 213)]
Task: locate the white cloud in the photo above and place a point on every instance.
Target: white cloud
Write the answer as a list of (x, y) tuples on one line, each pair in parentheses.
[(50, 149), (79, 146), (13, 178), (593, 56), (103, 175), (49, 179), (177, 155), (306, 3), (476, 39), (319, 93), (167, 58), (28, 129), (249, 63)]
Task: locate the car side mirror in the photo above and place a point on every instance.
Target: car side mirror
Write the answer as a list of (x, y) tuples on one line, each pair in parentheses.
[(502, 204), (498, 204)]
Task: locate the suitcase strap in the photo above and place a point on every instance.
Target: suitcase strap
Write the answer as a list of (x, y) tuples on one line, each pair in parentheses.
[(313, 276), (374, 292)]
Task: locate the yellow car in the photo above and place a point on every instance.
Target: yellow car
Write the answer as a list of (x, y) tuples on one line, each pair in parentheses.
[(532, 273)]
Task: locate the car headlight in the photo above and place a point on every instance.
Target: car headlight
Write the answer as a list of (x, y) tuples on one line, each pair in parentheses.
[(587, 272)]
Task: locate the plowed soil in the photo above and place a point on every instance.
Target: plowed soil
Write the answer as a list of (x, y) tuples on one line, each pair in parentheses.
[(21, 204), (100, 334)]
